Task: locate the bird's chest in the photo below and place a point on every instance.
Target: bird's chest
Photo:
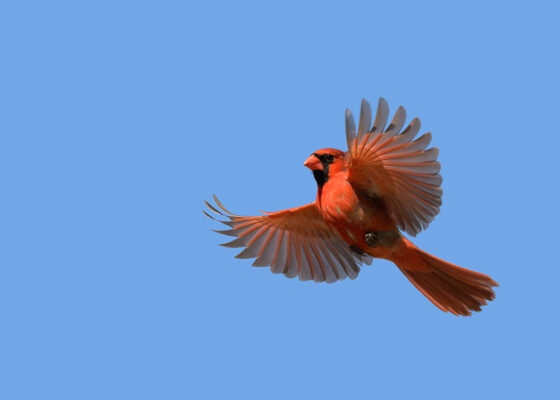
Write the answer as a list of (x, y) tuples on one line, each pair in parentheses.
[(350, 213), (340, 205)]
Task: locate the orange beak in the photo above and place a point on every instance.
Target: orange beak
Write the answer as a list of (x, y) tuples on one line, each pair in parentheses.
[(313, 163)]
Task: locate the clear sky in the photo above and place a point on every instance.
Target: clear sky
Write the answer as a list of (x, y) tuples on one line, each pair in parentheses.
[(117, 119)]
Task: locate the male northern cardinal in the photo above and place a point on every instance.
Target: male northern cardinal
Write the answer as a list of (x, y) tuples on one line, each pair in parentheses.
[(384, 183)]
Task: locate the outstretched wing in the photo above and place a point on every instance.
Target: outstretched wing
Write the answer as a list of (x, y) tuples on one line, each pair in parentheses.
[(386, 163), (295, 242)]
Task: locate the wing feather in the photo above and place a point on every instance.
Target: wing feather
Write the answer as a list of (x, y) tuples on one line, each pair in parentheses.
[(365, 119), (295, 242), (279, 260), (381, 116), (391, 165), (350, 128)]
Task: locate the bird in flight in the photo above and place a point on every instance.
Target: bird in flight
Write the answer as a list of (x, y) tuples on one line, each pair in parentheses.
[(385, 184)]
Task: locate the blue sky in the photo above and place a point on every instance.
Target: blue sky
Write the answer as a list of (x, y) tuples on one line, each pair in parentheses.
[(120, 118)]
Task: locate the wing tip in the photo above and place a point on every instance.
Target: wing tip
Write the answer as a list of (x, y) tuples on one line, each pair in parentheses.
[(364, 125), (365, 103)]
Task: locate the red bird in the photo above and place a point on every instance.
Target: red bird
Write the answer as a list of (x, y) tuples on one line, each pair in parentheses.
[(385, 183)]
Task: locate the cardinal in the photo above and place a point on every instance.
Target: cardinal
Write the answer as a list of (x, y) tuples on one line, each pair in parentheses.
[(387, 183)]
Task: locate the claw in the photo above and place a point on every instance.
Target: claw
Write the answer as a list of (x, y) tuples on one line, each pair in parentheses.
[(381, 238), (372, 239)]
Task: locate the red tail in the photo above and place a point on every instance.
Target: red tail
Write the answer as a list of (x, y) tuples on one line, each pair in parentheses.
[(450, 287)]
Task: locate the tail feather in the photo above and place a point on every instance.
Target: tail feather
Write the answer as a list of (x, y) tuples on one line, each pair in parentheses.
[(449, 287)]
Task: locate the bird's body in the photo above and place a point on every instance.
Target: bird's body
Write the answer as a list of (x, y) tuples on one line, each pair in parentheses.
[(351, 213), (384, 183)]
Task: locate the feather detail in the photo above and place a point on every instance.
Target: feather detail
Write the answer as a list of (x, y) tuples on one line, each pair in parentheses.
[(350, 128), (389, 164), (295, 242)]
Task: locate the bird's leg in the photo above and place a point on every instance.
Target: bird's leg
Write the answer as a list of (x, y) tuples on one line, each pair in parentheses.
[(381, 238)]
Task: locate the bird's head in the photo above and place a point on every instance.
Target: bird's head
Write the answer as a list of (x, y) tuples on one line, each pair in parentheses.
[(324, 163)]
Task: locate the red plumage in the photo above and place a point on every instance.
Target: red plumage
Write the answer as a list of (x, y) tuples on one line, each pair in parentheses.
[(386, 182)]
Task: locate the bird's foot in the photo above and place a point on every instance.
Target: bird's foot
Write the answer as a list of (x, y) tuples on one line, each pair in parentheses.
[(381, 238), (372, 239)]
